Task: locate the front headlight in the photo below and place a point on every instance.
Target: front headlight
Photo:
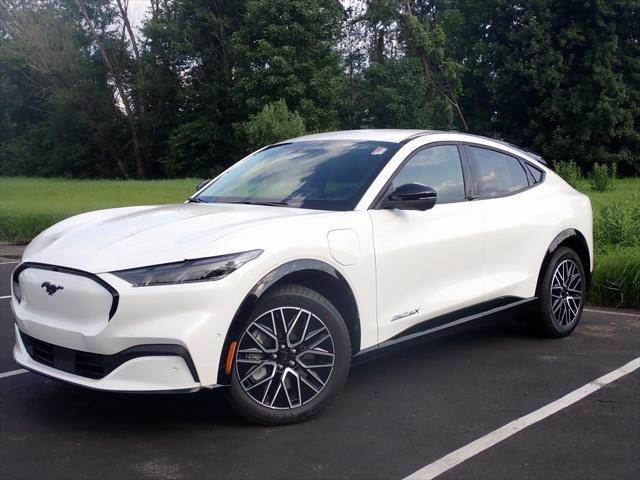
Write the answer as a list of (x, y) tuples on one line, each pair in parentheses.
[(198, 270)]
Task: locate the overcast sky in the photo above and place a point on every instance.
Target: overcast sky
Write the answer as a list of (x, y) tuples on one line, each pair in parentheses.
[(137, 11)]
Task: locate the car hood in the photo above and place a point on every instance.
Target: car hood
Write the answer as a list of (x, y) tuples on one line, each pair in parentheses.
[(108, 240)]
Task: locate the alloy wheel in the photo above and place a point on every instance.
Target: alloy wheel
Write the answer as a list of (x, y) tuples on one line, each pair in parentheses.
[(285, 358), (566, 293)]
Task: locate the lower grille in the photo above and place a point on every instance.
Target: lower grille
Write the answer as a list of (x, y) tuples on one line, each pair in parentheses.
[(90, 365), (43, 353), (95, 365)]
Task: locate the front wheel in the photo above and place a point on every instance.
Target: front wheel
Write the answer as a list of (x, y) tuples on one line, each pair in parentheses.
[(292, 358), (562, 294)]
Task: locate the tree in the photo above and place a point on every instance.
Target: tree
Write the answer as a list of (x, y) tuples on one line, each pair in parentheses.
[(129, 82), (192, 46), (286, 49), (84, 93), (567, 79), (273, 124), (354, 50), (59, 108), (426, 40), (398, 97)]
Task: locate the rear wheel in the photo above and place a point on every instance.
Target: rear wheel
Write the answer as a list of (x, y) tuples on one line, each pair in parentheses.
[(292, 357), (562, 294)]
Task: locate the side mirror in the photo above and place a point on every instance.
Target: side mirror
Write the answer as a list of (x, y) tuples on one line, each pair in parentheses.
[(202, 184), (411, 196)]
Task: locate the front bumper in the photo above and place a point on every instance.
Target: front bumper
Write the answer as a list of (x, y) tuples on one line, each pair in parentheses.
[(160, 338), (147, 373)]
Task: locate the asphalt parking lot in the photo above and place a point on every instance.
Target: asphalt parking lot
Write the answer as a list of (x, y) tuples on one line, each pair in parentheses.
[(397, 413)]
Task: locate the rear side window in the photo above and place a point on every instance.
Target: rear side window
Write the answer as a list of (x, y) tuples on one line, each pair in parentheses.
[(536, 173), (437, 167), (496, 174)]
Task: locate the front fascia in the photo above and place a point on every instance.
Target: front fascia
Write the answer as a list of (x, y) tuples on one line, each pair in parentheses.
[(195, 316)]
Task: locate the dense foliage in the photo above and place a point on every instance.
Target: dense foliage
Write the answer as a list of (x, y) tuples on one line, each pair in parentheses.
[(84, 93)]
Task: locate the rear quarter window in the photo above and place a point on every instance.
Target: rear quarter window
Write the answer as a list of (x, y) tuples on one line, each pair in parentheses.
[(535, 172)]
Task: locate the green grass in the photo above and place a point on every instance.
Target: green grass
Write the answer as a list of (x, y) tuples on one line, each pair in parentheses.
[(616, 232), (616, 278), (29, 205)]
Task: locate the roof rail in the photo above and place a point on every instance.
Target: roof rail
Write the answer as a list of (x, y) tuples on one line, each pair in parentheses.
[(536, 156), (417, 135)]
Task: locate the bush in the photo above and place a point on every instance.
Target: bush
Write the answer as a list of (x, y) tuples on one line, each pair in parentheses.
[(616, 231), (616, 278), (602, 178), (190, 149), (616, 225), (273, 124), (570, 172)]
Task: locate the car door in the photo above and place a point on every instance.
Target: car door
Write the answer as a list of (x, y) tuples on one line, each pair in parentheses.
[(428, 263), (516, 218)]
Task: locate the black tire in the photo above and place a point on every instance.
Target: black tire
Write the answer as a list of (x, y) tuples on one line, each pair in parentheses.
[(559, 311), (301, 400)]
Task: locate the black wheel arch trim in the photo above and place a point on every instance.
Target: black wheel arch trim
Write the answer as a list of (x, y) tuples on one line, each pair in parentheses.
[(115, 296), (260, 288), (290, 267), (563, 236)]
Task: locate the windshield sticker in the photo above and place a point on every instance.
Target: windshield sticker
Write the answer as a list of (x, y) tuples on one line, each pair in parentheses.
[(379, 151)]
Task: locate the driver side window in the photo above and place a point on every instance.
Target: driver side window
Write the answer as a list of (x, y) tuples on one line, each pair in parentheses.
[(437, 167)]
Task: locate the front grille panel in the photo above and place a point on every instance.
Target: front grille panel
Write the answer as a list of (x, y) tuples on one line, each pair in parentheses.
[(77, 300)]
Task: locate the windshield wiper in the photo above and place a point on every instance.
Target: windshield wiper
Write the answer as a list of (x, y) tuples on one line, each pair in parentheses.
[(269, 204), (196, 200)]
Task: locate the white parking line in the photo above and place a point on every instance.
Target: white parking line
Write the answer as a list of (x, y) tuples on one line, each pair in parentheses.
[(8, 296), (611, 312), (465, 453), (9, 263), (11, 373)]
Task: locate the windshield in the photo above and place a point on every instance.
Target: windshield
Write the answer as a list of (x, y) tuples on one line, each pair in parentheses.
[(323, 175)]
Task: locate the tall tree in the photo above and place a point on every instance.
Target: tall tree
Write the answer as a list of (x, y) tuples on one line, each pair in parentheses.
[(129, 82), (60, 114), (354, 50), (198, 34), (567, 79), (287, 49), (427, 40), (86, 93)]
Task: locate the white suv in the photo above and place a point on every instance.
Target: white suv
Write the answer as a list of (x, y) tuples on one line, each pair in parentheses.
[(298, 258)]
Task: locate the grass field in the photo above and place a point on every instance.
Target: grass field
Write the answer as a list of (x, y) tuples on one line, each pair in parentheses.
[(29, 205), (616, 232)]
